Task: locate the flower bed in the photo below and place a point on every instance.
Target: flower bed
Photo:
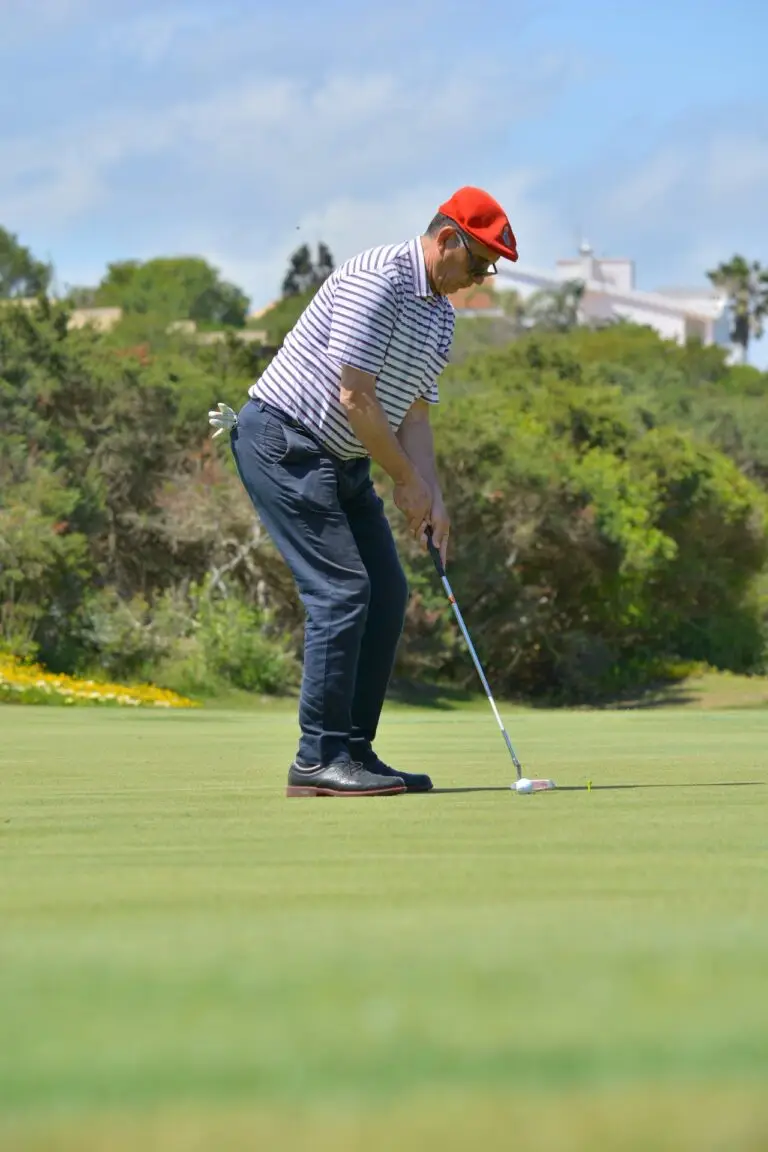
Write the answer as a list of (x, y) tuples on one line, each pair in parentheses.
[(30, 684)]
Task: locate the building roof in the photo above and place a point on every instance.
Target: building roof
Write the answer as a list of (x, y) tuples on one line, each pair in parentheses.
[(476, 298), (259, 312), (701, 293), (705, 307)]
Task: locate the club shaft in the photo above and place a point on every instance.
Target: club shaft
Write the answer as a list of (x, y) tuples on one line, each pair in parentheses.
[(481, 674)]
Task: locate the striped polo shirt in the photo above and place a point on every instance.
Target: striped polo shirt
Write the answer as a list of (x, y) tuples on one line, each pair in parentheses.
[(377, 313)]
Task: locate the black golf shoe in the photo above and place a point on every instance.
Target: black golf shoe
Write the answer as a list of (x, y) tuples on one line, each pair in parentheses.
[(344, 778), (414, 781)]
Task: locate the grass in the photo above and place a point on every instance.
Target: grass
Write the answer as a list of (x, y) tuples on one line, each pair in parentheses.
[(708, 689), (191, 961)]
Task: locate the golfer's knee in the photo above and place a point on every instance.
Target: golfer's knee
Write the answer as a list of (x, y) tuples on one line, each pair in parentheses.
[(358, 592), (348, 599)]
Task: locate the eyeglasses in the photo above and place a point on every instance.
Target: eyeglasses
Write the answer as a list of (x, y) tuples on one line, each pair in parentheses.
[(477, 265)]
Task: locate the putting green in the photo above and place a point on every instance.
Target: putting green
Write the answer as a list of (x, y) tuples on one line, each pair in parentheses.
[(190, 960)]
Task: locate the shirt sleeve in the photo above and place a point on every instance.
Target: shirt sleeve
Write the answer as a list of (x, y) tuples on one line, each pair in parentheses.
[(363, 319)]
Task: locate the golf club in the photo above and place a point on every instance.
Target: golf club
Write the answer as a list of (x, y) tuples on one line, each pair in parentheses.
[(522, 784)]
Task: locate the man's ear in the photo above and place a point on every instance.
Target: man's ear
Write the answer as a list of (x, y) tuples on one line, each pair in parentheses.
[(446, 238)]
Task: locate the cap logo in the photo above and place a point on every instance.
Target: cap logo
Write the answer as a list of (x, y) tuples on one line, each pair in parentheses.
[(506, 236)]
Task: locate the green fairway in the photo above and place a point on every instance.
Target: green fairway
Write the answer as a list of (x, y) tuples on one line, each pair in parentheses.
[(189, 960)]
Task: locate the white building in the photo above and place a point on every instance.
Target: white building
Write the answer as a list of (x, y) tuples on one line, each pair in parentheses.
[(609, 294)]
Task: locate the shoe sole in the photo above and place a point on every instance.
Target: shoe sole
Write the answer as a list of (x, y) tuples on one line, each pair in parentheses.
[(415, 789), (308, 790)]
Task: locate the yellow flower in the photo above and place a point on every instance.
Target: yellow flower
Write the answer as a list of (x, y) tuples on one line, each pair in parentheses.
[(31, 684)]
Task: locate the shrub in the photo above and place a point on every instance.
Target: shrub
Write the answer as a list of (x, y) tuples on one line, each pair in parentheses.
[(235, 648)]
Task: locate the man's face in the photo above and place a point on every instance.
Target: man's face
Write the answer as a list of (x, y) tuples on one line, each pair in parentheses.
[(462, 261)]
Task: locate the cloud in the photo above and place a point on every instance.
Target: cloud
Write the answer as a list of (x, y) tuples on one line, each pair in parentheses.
[(242, 164), (692, 201), (737, 169), (217, 130), (640, 194), (349, 224), (695, 201), (158, 35), (236, 130), (718, 172), (352, 224), (25, 23), (45, 12), (215, 38)]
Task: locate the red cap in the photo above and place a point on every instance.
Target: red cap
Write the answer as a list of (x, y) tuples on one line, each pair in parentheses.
[(483, 218)]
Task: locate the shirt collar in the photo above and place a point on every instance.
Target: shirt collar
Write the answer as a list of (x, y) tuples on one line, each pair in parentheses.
[(419, 269)]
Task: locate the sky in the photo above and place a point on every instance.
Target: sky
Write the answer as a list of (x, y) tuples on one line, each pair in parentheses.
[(239, 129)]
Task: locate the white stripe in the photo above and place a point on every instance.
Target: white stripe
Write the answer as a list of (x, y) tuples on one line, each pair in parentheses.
[(377, 313)]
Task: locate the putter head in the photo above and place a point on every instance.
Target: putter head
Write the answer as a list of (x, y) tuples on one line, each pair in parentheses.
[(525, 786)]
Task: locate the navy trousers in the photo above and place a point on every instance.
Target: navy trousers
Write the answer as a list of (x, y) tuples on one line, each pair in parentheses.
[(328, 523)]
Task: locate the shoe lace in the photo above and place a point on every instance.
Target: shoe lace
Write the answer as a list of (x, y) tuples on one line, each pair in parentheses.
[(359, 768)]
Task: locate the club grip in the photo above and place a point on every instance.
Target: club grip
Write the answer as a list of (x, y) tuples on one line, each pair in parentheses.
[(434, 553)]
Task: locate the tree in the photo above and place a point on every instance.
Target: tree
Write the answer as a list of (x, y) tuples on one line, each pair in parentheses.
[(747, 288), (174, 288), (325, 263), (512, 304), (81, 296), (221, 303), (20, 273), (596, 542), (604, 486), (557, 310), (281, 317), (304, 275)]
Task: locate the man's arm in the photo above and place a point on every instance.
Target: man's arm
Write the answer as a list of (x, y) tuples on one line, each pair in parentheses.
[(362, 323), (365, 310), (368, 420), (415, 436)]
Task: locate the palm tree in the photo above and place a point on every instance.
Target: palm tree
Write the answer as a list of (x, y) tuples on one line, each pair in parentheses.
[(746, 286)]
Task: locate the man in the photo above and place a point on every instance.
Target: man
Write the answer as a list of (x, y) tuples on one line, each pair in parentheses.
[(354, 382)]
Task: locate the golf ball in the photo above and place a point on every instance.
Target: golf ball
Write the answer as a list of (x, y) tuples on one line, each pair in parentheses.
[(523, 785)]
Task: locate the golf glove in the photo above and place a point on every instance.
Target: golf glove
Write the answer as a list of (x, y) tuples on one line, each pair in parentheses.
[(222, 418)]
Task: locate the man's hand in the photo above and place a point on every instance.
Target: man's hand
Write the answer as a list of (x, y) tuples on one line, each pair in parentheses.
[(441, 527), (414, 499)]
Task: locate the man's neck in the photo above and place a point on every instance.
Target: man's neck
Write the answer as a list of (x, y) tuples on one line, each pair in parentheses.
[(425, 247)]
